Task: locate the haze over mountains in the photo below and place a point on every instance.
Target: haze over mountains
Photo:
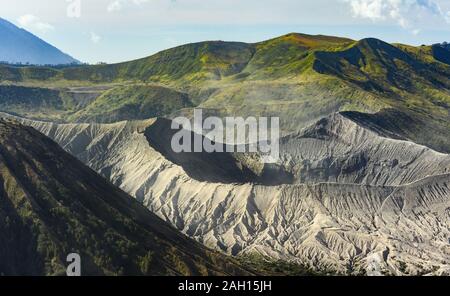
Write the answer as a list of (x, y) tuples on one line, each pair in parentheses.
[(362, 184), (20, 46)]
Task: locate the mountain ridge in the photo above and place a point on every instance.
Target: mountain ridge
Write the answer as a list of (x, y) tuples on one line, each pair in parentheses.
[(53, 205), (299, 78), (382, 199)]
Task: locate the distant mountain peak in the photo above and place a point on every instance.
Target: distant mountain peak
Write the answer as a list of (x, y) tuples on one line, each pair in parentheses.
[(6, 23), (21, 46), (445, 44)]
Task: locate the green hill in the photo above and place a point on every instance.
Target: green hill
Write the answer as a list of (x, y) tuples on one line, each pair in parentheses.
[(297, 77), (192, 62), (132, 102)]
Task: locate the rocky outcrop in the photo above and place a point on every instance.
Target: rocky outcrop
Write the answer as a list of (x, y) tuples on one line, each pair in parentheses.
[(337, 149)]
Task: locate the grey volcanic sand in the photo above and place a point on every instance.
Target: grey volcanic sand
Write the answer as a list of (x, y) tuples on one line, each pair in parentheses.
[(359, 201)]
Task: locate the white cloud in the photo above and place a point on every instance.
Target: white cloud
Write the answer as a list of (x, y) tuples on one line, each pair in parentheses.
[(117, 5), (95, 38), (367, 9), (32, 22), (406, 13)]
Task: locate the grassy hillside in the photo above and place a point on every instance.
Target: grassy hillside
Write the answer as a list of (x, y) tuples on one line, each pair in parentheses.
[(107, 103), (17, 74), (132, 102), (33, 101), (190, 63), (297, 77)]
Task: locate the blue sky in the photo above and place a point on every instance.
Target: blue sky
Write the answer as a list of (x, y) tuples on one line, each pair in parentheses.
[(120, 30)]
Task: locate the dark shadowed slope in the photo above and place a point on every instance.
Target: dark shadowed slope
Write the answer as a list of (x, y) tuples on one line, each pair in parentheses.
[(406, 125), (223, 167), (52, 205)]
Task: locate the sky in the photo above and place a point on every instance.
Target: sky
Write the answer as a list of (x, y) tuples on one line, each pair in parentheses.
[(120, 30)]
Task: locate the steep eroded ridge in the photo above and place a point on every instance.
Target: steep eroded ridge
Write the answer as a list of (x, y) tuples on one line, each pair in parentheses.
[(337, 149), (53, 205), (383, 209)]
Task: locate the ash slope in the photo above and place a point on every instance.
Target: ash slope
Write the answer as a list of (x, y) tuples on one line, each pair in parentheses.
[(53, 205), (361, 202)]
